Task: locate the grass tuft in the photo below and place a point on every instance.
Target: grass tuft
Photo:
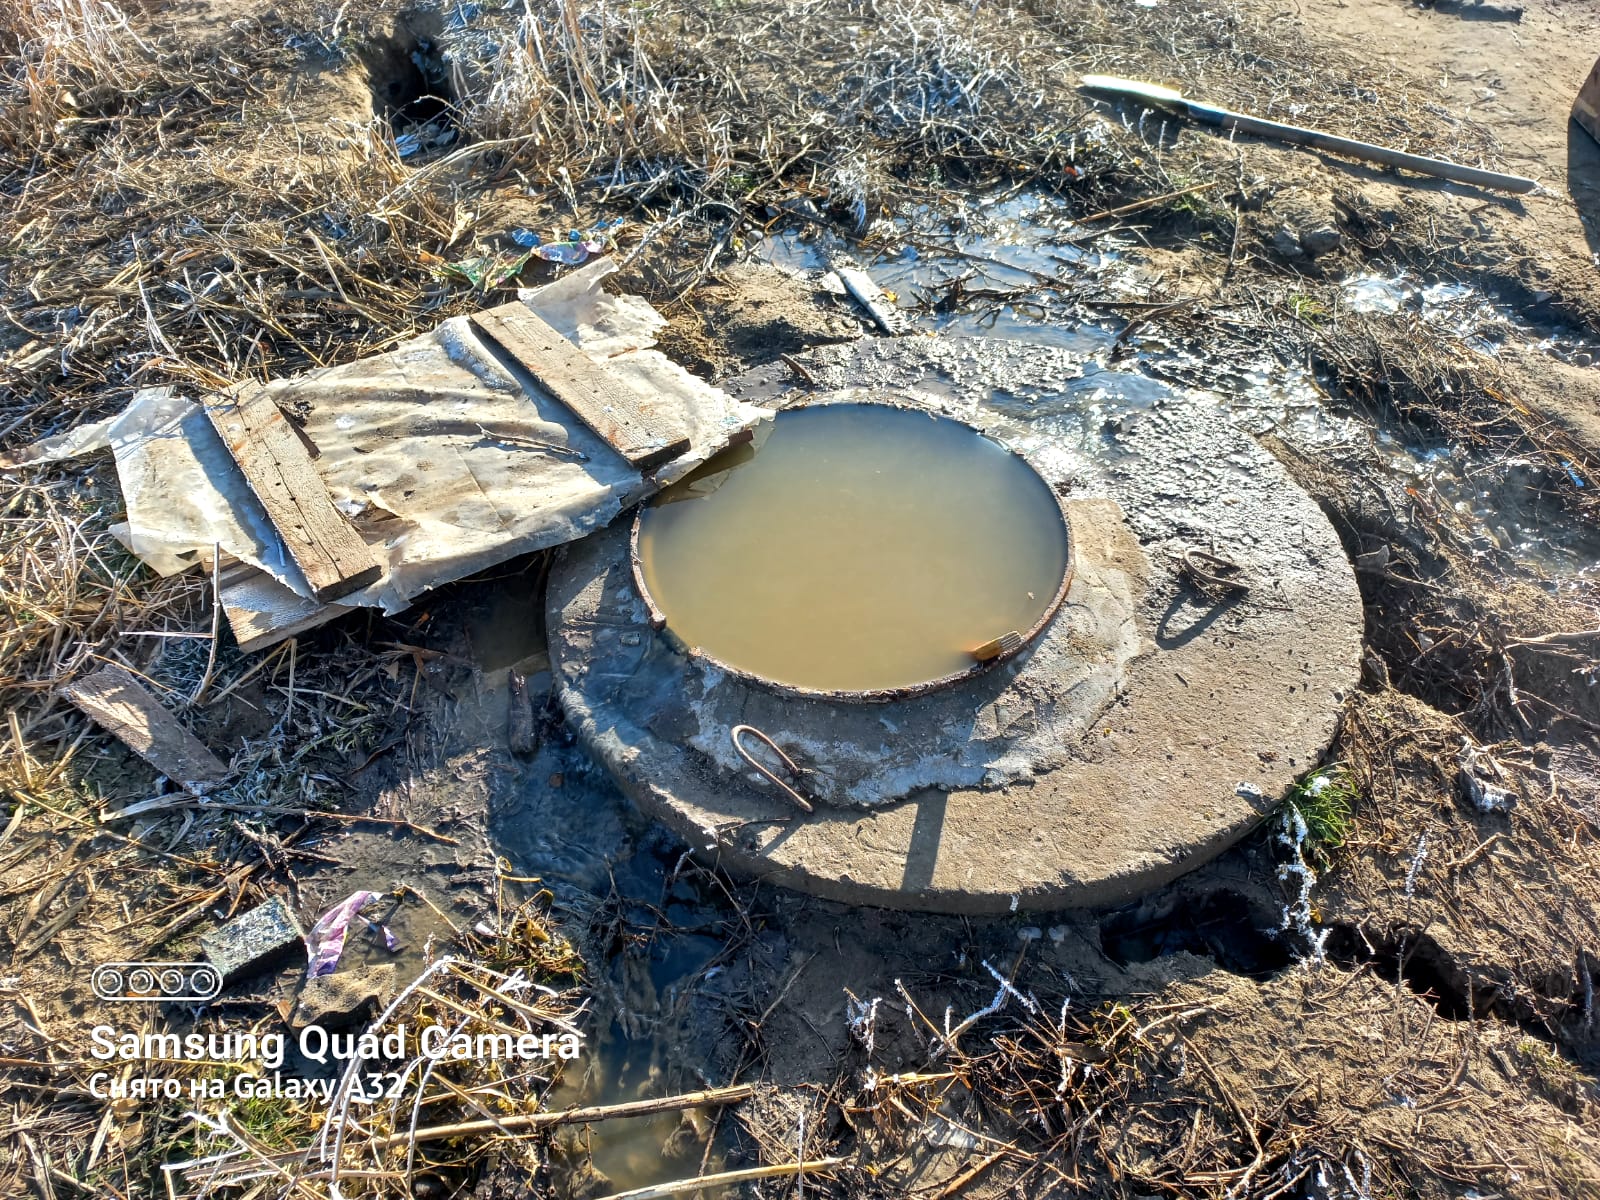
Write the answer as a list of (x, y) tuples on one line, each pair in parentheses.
[(1326, 801)]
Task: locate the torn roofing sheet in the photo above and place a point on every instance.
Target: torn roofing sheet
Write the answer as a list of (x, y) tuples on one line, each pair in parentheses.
[(446, 458)]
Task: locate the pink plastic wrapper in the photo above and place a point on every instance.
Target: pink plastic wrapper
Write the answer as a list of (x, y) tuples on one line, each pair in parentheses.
[(325, 942)]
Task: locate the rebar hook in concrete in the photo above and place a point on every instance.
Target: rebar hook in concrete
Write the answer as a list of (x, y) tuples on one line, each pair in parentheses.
[(765, 772)]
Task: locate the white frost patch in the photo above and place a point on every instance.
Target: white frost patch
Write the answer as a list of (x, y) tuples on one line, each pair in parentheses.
[(862, 1018), (462, 347), (1416, 864), (1297, 913), (1482, 780)]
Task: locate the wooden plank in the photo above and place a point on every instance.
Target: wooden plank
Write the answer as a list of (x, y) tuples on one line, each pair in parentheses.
[(278, 467), (595, 396), (263, 612), (1586, 108), (870, 296), (118, 703)]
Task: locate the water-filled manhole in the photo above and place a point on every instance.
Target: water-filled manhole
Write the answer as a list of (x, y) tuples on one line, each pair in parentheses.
[(863, 551)]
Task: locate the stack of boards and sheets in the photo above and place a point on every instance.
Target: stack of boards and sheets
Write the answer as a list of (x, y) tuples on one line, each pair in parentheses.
[(514, 429)]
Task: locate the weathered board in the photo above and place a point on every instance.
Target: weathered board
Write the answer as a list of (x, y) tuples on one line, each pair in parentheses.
[(278, 467), (593, 394), (1586, 108), (118, 702), (870, 296), (263, 612)]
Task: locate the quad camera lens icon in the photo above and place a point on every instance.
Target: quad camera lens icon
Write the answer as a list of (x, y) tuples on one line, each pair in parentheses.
[(155, 981)]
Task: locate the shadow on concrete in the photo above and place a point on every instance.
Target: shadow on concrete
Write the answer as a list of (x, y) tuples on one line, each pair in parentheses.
[(1174, 630), (923, 852)]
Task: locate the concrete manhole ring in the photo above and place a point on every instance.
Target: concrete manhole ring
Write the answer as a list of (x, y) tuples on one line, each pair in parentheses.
[(1149, 727)]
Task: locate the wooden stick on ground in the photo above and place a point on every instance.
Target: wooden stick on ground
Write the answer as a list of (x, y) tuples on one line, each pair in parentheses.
[(660, 1191), (574, 1116), (163, 803), (1148, 202)]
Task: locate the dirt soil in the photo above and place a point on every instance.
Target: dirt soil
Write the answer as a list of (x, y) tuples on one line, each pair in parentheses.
[(1420, 1023)]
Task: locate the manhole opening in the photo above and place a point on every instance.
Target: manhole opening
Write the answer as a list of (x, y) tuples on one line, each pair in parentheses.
[(859, 551), (1221, 925), (411, 90)]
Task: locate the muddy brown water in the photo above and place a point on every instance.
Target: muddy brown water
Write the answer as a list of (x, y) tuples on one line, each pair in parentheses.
[(862, 547)]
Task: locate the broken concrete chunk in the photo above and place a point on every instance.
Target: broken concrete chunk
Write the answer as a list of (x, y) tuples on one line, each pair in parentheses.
[(1285, 243), (252, 942), (345, 997)]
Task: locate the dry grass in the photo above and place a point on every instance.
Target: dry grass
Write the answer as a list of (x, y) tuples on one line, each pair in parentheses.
[(193, 213), (1436, 882), (67, 57), (1346, 1087), (515, 982)]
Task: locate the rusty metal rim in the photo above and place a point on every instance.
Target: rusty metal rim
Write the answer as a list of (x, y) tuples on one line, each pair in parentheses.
[(658, 619)]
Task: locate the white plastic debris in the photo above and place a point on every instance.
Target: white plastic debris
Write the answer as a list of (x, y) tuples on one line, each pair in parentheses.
[(325, 942), (80, 440), (1482, 779)]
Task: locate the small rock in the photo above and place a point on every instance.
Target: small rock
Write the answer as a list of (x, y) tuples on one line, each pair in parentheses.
[(250, 943), (1286, 243), (1320, 239), (344, 997)]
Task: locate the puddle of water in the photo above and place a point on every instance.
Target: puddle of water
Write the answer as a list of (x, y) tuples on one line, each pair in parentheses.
[(954, 272), (624, 1063), (411, 923), (1506, 506), (639, 1152), (863, 547), (1503, 506)]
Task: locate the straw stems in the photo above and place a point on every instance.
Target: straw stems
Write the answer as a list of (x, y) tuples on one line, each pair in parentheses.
[(723, 1179)]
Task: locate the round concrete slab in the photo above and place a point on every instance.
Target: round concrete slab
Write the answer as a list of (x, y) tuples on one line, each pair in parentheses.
[(1153, 724)]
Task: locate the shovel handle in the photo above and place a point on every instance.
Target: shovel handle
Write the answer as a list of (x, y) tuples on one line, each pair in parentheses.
[(1438, 167)]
